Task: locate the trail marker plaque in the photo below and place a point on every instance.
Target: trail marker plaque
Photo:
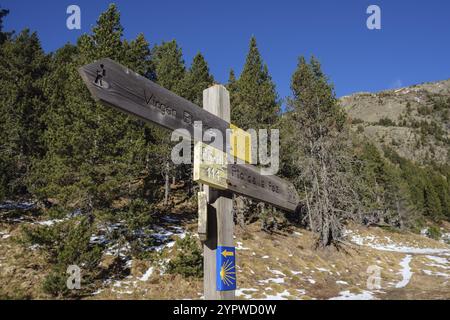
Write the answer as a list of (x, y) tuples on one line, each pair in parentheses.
[(226, 268)]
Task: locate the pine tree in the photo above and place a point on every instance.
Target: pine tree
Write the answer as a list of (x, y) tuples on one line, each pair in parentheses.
[(22, 104), (196, 80), (432, 205), (232, 88), (96, 155), (169, 66), (3, 35), (254, 105), (255, 101), (169, 72), (317, 137)]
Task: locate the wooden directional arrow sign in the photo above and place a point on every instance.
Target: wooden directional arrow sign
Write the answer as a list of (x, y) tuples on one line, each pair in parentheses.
[(211, 168), (119, 87)]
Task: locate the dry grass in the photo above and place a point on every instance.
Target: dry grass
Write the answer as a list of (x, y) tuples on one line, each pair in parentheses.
[(268, 265), (22, 270)]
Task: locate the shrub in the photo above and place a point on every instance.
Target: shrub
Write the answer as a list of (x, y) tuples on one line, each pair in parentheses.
[(434, 232), (357, 121), (66, 243), (424, 110), (386, 122), (189, 260)]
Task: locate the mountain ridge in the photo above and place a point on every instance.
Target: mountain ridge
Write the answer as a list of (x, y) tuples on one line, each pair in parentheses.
[(414, 120)]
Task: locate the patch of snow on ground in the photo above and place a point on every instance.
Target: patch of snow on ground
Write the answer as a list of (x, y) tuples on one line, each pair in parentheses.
[(116, 250), (97, 292), (265, 257), (169, 219), (445, 238), (279, 296), (274, 280), (371, 241), (240, 247), (147, 274), (341, 282), (405, 272), (347, 295), (11, 205), (302, 292), (247, 296), (277, 272), (49, 223), (439, 260), (4, 235), (100, 239), (439, 274)]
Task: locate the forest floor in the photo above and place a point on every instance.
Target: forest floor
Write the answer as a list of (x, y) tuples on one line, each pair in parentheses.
[(282, 265)]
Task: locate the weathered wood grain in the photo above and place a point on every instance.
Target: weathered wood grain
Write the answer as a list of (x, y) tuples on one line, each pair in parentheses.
[(129, 92)]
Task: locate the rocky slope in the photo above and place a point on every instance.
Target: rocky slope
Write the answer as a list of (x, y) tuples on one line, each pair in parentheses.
[(415, 120)]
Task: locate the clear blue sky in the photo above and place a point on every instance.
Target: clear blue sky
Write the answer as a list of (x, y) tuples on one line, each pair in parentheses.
[(413, 45)]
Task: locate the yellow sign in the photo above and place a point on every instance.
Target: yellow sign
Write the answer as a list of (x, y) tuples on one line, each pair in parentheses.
[(240, 144), (210, 164)]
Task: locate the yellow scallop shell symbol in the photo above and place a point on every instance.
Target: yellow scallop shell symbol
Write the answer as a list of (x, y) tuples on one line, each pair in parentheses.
[(227, 273)]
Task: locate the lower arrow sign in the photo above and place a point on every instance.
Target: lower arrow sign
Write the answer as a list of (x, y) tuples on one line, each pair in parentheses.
[(226, 253)]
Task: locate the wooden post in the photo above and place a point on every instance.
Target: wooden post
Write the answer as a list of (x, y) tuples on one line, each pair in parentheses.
[(220, 225)]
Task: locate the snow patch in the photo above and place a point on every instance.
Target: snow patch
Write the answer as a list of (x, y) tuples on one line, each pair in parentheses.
[(439, 260), (371, 241), (279, 296), (247, 296), (4, 235), (147, 274), (240, 247), (49, 223), (347, 295), (439, 274), (277, 272), (11, 205), (274, 280)]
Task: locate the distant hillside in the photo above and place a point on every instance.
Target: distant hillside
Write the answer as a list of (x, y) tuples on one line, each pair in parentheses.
[(414, 121)]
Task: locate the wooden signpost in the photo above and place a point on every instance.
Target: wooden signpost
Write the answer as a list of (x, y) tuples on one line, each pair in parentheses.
[(119, 87)]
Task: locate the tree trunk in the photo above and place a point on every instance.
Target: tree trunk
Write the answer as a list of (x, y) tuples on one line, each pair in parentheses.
[(167, 185)]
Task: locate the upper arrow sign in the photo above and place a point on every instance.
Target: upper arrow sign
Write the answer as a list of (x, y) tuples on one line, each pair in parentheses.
[(119, 87)]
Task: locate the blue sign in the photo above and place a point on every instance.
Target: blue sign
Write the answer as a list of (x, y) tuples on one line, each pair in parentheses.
[(225, 268)]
